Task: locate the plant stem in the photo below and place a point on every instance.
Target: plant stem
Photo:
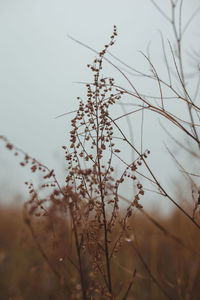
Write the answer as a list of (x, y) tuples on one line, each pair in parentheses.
[(103, 206), (79, 255)]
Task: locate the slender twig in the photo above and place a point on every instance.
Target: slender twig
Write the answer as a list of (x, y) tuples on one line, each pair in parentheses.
[(190, 20), (155, 179), (130, 285), (45, 257), (161, 11), (78, 253), (136, 248)]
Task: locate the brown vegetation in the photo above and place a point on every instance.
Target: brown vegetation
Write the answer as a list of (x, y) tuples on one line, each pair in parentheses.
[(152, 266)]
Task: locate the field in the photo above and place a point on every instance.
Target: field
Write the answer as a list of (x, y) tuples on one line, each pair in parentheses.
[(159, 265)]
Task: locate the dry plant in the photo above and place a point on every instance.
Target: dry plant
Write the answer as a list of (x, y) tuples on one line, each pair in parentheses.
[(89, 201)]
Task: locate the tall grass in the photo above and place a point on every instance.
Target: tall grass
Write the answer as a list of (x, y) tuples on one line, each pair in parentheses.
[(96, 247)]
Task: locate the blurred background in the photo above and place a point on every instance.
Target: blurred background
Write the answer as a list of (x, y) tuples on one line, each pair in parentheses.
[(40, 65)]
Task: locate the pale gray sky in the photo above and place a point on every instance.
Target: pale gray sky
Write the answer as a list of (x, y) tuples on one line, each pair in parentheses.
[(39, 63)]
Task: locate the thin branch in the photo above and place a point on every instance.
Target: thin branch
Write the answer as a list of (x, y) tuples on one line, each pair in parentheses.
[(157, 77), (161, 11), (28, 223), (135, 247), (130, 285), (155, 179), (165, 58), (190, 20)]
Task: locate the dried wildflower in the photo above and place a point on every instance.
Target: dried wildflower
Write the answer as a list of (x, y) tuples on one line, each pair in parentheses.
[(9, 146)]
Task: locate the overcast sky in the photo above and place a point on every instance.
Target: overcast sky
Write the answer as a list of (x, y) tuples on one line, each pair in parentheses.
[(39, 65)]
